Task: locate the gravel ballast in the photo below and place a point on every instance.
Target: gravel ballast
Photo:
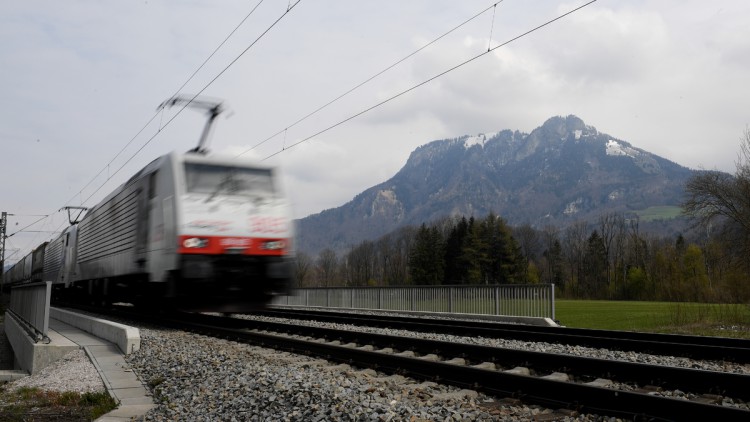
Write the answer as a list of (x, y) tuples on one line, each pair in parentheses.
[(201, 378)]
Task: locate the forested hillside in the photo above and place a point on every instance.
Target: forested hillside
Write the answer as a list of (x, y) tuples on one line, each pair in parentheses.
[(610, 258)]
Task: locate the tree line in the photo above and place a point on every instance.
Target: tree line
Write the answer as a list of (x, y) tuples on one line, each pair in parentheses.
[(611, 258)]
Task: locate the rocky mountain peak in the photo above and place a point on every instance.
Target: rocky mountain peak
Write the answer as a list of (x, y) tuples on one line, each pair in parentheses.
[(562, 126), (563, 171)]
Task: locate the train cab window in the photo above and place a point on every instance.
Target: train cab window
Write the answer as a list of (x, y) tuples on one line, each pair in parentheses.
[(226, 180)]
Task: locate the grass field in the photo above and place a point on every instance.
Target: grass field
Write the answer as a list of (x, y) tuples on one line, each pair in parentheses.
[(663, 317), (659, 213)]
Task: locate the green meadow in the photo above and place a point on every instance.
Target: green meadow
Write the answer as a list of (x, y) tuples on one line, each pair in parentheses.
[(665, 212), (725, 320)]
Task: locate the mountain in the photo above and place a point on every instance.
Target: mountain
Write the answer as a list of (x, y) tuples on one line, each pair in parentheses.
[(562, 172)]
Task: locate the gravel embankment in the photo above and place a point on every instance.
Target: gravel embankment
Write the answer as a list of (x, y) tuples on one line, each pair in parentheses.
[(73, 372)]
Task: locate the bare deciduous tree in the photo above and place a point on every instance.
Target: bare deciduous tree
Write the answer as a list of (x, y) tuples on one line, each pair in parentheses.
[(327, 263), (611, 226), (574, 245), (721, 199), (303, 263)]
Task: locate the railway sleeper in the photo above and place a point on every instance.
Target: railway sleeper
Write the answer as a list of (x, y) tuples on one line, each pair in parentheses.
[(649, 389), (457, 361), (709, 399), (600, 382), (432, 357), (486, 365), (557, 376), (556, 415), (519, 370)]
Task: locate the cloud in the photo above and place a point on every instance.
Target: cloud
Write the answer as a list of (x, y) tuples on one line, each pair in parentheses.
[(85, 78)]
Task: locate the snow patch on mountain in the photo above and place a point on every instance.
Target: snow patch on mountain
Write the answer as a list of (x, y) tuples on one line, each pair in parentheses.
[(616, 148), (645, 162), (479, 139), (573, 207), (616, 194)]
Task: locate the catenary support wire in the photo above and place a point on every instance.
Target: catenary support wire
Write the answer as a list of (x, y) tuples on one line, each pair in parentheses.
[(492, 27), (398, 62), (432, 78)]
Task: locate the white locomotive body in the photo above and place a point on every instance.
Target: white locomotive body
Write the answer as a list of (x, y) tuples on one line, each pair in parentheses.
[(209, 233), (202, 232)]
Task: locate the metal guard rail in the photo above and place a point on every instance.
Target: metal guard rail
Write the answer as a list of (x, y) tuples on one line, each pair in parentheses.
[(521, 300)]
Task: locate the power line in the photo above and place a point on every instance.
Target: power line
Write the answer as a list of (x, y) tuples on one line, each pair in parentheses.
[(27, 226), (289, 9), (179, 111), (148, 123), (106, 167), (489, 50), (29, 215), (11, 247), (415, 52), (217, 48)]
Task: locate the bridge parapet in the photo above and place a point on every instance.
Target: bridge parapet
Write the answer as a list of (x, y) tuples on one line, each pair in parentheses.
[(29, 304), (507, 300)]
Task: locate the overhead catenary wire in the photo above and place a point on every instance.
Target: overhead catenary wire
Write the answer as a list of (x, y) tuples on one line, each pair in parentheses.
[(180, 110), (398, 62), (287, 147), (43, 217), (28, 215), (10, 247), (412, 88), (148, 123), (42, 231), (36, 232), (290, 6), (217, 48)]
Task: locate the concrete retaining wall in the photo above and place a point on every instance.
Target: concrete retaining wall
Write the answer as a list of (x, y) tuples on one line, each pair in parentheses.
[(33, 357)]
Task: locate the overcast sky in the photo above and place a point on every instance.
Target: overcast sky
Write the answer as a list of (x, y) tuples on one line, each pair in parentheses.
[(80, 79)]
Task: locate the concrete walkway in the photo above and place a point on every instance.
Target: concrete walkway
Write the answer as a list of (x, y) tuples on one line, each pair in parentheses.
[(119, 379)]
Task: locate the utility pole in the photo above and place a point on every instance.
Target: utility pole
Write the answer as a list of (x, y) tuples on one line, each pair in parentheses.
[(3, 225)]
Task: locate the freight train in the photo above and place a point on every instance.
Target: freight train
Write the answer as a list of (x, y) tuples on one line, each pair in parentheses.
[(191, 230)]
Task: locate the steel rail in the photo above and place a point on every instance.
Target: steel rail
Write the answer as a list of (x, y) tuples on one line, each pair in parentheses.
[(693, 380), (694, 347), (532, 390)]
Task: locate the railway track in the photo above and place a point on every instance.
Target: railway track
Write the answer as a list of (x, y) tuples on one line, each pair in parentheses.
[(693, 347), (571, 384)]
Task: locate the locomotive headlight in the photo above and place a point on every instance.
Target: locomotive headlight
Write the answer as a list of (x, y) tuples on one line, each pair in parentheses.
[(195, 242), (273, 245)]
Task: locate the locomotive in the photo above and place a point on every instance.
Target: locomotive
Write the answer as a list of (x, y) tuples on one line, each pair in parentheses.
[(199, 232)]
